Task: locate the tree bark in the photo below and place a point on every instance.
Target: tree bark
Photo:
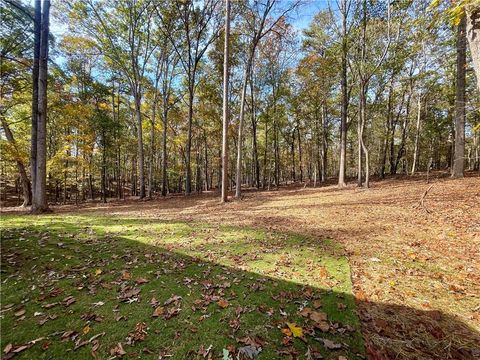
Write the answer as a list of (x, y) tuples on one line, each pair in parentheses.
[(39, 202), (473, 36), (140, 152), (188, 170), (254, 132), (152, 146), (238, 178), (226, 69), (417, 135), (458, 162), (344, 108), (35, 71)]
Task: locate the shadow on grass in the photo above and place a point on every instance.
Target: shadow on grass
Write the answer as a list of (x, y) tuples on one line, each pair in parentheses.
[(265, 278)]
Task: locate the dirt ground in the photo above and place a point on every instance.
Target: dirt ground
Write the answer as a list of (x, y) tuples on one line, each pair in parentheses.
[(416, 269)]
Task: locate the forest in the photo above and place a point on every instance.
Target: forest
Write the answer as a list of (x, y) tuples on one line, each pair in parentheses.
[(165, 142)]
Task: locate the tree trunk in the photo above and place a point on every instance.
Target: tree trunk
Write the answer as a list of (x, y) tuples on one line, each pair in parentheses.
[(104, 168), (254, 132), (417, 135), (363, 147), (226, 69), (324, 144), (152, 150), (458, 162), (300, 160), (35, 71), (188, 169), (39, 203), (344, 108), (473, 36), (140, 152), (238, 178), (164, 149)]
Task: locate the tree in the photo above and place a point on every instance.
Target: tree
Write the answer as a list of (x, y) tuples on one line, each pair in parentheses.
[(15, 50), (472, 14), (459, 155), (122, 31), (39, 201), (36, 55), (344, 10), (365, 74), (199, 28), (256, 21), (226, 69)]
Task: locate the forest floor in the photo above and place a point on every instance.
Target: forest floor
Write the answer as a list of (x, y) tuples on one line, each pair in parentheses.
[(410, 273)]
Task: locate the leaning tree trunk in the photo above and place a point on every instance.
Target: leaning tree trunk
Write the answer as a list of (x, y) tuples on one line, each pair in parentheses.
[(39, 201), (473, 36), (458, 162)]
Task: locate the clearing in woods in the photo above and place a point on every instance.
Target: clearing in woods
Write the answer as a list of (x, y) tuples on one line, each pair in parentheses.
[(298, 272)]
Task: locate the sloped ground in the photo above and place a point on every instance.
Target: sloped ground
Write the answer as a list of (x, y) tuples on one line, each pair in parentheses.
[(415, 269), (104, 287)]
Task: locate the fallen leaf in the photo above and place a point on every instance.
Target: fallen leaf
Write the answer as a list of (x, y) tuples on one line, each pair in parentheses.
[(296, 330), (222, 303), (69, 300), (323, 326), (86, 330), (323, 272), (49, 306), (126, 275), (141, 281), (20, 312), (248, 352), (172, 299), (158, 311), (318, 316), (21, 348), (8, 348), (330, 345), (117, 350), (306, 311)]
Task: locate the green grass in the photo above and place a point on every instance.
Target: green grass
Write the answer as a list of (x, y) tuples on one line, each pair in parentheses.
[(269, 276)]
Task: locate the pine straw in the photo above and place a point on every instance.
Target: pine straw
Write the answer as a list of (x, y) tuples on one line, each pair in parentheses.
[(416, 274)]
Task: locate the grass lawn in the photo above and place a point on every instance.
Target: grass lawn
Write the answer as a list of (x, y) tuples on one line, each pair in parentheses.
[(103, 287)]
